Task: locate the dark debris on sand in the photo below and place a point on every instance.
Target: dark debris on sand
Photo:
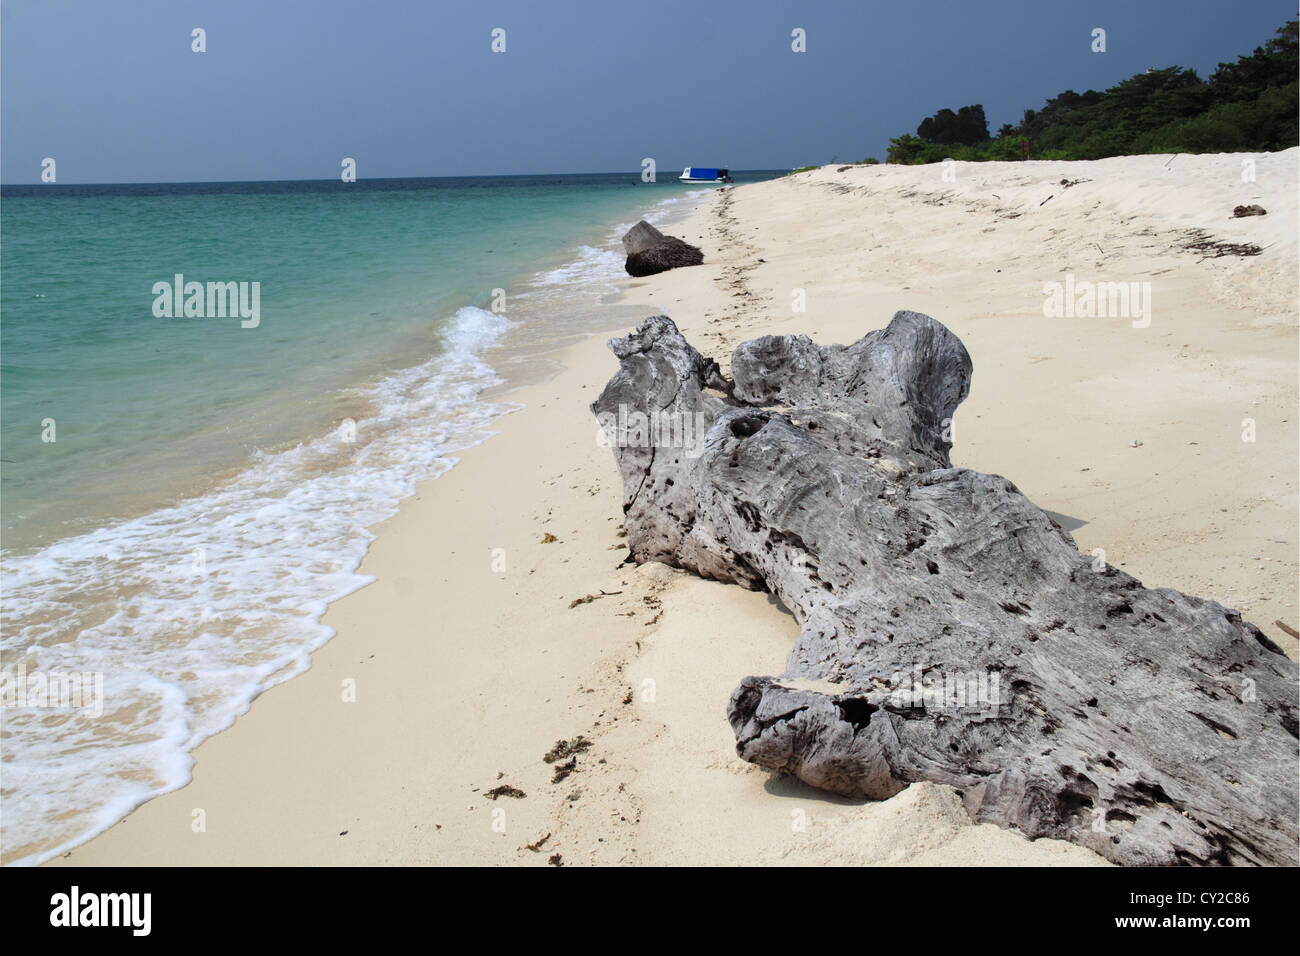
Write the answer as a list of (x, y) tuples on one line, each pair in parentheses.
[(567, 748), (1201, 241)]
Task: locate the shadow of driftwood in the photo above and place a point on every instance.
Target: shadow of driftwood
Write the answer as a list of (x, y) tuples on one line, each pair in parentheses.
[(775, 601), (793, 788), (1066, 522)]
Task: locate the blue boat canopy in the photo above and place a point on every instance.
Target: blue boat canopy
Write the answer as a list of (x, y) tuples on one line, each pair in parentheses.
[(702, 172)]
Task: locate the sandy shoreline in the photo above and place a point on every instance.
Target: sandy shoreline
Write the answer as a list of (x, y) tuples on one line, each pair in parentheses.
[(467, 672)]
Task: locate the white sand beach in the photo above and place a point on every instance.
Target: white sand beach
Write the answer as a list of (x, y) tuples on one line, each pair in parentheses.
[(1166, 437)]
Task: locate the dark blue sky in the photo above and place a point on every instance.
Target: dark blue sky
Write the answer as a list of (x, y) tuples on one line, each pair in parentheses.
[(287, 88)]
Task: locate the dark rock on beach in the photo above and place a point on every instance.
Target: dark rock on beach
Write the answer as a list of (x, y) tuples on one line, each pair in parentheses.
[(1252, 210), (950, 630), (649, 251), (671, 253)]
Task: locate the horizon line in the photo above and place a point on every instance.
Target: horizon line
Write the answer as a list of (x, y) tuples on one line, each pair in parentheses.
[(248, 182)]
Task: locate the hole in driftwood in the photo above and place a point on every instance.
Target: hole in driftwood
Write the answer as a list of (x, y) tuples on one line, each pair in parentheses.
[(1152, 793), (747, 426), (856, 711)]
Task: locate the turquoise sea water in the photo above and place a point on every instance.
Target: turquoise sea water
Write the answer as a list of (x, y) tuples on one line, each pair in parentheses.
[(181, 497)]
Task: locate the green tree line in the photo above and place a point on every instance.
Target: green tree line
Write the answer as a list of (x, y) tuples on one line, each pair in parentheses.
[(1247, 106)]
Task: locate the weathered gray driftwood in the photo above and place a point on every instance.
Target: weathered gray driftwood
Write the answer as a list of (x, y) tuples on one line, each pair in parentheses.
[(649, 251), (1148, 725)]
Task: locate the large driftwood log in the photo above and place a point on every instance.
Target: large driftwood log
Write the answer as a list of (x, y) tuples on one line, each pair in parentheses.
[(950, 630)]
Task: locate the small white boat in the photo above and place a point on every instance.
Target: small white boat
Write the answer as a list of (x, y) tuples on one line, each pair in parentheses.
[(704, 174)]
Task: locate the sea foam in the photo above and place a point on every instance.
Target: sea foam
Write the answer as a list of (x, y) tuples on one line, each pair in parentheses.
[(191, 611)]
